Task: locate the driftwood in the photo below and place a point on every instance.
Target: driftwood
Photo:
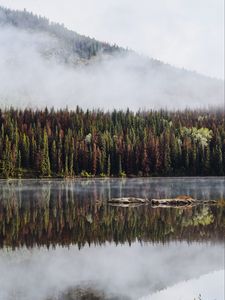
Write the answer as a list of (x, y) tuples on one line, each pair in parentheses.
[(211, 202), (178, 201), (127, 200), (185, 206), (181, 201), (130, 205)]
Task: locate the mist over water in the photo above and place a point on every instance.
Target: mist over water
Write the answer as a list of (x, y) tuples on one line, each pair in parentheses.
[(208, 286), (32, 75), (123, 272), (201, 188)]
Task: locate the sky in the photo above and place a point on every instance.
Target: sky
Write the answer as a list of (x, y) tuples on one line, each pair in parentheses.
[(183, 33)]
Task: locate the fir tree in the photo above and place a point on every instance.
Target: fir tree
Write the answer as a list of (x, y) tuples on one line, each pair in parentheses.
[(45, 161)]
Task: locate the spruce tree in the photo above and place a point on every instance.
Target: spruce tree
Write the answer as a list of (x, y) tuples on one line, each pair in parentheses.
[(45, 161)]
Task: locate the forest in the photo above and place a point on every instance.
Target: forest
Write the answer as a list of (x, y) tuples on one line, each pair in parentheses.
[(64, 143)]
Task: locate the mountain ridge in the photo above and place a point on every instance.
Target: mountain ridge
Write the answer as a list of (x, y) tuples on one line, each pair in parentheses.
[(61, 31)]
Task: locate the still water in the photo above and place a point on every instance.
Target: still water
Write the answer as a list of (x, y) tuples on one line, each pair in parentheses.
[(61, 240)]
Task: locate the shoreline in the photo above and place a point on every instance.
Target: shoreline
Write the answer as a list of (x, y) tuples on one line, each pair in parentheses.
[(109, 178)]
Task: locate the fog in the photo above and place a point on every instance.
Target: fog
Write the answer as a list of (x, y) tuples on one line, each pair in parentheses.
[(32, 76), (155, 271), (205, 188), (185, 33), (209, 286), (120, 271)]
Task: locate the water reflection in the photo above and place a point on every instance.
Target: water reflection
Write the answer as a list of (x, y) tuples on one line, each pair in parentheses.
[(111, 252), (109, 272), (208, 286), (76, 212)]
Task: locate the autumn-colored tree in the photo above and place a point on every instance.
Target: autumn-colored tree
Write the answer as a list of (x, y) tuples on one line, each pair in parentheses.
[(149, 143)]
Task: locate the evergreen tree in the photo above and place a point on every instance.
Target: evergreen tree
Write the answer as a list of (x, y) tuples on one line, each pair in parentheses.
[(45, 161), (144, 143), (108, 166)]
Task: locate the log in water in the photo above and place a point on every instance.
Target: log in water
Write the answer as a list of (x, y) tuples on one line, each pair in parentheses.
[(179, 201), (128, 200)]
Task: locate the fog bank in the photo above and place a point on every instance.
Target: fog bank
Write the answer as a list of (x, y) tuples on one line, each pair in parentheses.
[(209, 286), (31, 75), (122, 271)]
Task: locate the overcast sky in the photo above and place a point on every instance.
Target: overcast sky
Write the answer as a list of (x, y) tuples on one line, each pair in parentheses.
[(184, 33)]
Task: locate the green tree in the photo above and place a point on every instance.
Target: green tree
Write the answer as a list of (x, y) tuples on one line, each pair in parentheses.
[(45, 161)]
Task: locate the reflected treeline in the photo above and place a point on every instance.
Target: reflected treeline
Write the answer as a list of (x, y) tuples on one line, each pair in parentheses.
[(68, 212)]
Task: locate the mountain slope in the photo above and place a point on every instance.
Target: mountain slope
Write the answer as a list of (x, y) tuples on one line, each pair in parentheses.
[(44, 63), (71, 45)]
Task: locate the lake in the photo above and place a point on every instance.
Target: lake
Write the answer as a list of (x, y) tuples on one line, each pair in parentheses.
[(61, 240)]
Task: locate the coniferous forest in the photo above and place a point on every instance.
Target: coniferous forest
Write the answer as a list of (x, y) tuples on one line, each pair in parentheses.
[(63, 143)]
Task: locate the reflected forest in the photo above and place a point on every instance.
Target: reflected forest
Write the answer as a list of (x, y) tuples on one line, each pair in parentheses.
[(50, 213)]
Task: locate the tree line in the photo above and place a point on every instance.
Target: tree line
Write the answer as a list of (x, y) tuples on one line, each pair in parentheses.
[(87, 143)]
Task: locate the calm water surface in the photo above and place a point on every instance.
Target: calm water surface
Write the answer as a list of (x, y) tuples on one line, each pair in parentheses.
[(61, 240)]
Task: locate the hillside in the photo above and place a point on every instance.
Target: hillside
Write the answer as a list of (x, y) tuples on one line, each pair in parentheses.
[(44, 63), (69, 46)]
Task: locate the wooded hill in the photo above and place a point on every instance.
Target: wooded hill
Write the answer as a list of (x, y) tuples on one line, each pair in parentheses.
[(49, 63), (69, 47)]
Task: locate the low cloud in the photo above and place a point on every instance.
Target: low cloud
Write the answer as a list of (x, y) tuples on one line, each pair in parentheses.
[(31, 75), (122, 271)]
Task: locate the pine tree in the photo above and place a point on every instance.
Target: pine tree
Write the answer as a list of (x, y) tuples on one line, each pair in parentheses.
[(145, 161), (19, 170), (53, 157), (94, 159), (166, 154), (66, 169), (217, 157), (71, 158), (108, 166), (143, 143), (7, 163), (120, 170), (25, 151), (45, 161), (206, 166)]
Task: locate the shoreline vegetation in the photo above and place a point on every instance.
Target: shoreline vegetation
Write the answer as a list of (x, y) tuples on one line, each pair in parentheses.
[(37, 176), (97, 144)]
